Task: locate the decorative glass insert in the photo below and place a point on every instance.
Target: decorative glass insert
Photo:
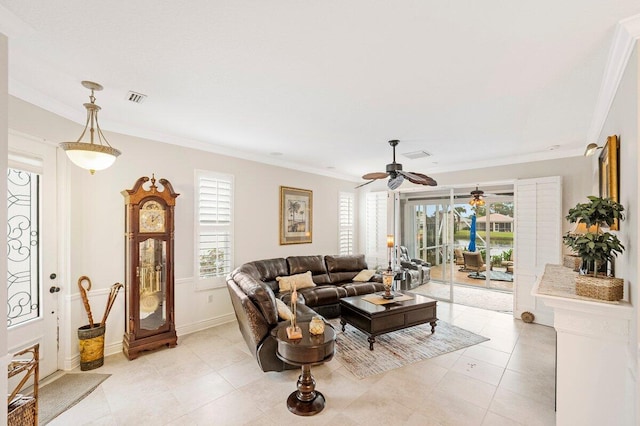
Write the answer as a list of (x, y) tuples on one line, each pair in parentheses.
[(23, 289)]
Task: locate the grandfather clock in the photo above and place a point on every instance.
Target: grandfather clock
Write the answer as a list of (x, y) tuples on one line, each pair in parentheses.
[(149, 289)]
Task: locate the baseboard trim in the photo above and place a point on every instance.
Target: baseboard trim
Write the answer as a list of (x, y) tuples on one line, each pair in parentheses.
[(203, 325), (116, 347)]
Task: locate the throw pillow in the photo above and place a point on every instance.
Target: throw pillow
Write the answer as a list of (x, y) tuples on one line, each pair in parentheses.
[(299, 280), (364, 275), (283, 310)]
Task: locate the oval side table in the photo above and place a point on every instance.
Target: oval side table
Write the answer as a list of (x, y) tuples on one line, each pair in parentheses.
[(306, 352)]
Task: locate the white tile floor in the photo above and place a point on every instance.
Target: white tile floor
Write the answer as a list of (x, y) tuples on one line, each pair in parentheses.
[(211, 379)]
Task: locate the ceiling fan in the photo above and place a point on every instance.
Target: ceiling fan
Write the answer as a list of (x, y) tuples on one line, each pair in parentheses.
[(477, 197), (397, 175)]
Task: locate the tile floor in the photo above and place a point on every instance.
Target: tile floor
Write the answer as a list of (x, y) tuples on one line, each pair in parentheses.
[(211, 379)]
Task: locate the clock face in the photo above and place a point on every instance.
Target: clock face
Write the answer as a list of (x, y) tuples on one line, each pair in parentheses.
[(152, 217)]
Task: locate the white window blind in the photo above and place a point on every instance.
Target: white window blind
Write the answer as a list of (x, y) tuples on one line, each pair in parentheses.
[(214, 227), (376, 229), (346, 228)]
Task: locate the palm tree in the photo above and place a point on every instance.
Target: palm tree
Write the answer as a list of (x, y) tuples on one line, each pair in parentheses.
[(294, 207)]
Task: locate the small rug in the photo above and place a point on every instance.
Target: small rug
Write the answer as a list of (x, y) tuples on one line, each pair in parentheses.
[(493, 275), (464, 295), (399, 348), (65, 392)]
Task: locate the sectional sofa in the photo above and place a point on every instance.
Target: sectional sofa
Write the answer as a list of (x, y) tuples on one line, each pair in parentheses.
[(254, 288)]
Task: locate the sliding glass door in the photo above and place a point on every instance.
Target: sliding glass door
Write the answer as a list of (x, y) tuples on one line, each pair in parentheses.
[(436, 227), (428, 231)]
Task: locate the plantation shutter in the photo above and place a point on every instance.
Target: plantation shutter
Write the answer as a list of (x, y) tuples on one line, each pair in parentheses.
[(346, 223), (214, 227), (376, 229)]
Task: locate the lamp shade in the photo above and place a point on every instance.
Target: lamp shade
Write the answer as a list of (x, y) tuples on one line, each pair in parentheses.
[(591, 149)]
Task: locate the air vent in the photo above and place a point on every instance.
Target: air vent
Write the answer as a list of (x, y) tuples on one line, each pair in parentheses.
[(416, 154), (136, 97)]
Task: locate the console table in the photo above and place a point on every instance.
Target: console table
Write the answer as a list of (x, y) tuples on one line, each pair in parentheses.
[(594, 362)]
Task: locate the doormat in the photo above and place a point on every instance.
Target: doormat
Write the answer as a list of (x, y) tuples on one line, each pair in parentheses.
[(63, 393), (399, 348), (493, 275)]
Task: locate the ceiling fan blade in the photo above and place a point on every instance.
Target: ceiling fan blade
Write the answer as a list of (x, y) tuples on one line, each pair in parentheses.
[(363, 184), (422, 179), (395, 182), (375, 175)]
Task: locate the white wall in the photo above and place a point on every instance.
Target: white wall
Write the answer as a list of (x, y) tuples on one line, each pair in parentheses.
[(96, 216), (4, 95), (623, 120)]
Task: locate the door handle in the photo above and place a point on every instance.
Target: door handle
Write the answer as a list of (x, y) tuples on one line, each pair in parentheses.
[(54, 289)]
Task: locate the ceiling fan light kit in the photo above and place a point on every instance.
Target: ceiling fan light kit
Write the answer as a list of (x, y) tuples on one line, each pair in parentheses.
[(477, 198), (397, 175)]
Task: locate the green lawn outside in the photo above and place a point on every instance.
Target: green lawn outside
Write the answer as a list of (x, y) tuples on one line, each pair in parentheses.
[(495, 236)]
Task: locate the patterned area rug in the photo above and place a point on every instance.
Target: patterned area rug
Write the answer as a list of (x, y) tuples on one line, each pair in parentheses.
[(399, 348), (65, 392)]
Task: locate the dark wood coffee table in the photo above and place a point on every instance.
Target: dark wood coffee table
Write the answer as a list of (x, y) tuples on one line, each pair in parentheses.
[(375, 320), (306, 352)]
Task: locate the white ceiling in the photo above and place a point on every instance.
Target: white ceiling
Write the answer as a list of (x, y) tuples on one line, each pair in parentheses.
[(326, 83)]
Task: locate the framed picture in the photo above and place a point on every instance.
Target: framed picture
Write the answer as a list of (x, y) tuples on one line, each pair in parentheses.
[(296, 215), (608, 172)]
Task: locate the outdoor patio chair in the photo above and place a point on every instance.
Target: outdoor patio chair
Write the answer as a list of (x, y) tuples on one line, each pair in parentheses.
[(473, 262), (457, 253), (508, 263)]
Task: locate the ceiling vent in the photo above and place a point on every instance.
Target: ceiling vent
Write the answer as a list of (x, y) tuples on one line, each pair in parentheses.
[(416, 154), (136, 97)]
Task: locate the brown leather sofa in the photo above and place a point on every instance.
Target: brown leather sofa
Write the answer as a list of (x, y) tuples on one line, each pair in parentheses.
[(253, 288)]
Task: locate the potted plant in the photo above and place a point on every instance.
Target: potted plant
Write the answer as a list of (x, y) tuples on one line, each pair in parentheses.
[(596, 247)]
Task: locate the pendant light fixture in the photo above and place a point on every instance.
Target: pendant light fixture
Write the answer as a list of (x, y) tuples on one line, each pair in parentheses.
[(96, 154)]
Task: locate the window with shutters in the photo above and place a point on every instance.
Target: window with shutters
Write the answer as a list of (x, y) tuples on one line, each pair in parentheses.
[(376, 229), (346, 222), (214, 228)]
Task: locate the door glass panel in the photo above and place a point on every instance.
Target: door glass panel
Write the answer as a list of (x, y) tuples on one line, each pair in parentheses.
[(23, 285), (152, 284)]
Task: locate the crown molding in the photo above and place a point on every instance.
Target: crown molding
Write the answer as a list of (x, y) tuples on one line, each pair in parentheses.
[(625, 37)]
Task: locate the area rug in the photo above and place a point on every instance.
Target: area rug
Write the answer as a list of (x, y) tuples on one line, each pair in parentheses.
[(65, 392), (399, 348), (493, 275), (464, 295)]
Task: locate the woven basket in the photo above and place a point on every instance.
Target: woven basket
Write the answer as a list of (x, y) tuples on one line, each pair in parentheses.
[(22, 412), (601, 288), (572, 261)]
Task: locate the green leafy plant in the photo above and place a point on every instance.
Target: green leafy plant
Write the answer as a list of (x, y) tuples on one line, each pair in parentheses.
[(595, 246)]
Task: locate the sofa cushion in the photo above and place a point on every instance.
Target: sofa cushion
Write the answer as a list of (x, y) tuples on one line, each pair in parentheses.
[(359, 289), (342, 268), (364, 275), (257, 291), (283, 310), (269, 269), (315, 264), (322, 295), (297, 280)]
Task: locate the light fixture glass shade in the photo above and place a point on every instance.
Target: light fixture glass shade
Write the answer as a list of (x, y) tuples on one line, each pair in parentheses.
[(591, 149), (90, 156), (96, 154)]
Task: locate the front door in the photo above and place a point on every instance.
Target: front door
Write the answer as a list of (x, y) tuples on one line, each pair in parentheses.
[(32, 311)]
